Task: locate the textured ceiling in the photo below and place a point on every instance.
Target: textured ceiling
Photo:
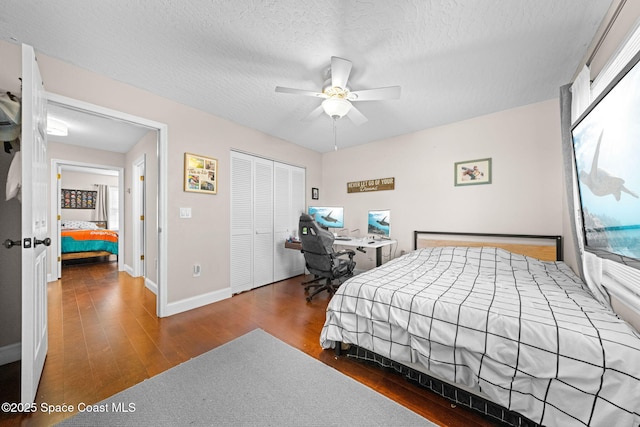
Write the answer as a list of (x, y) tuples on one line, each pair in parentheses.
[(93, 131), (454, 59)]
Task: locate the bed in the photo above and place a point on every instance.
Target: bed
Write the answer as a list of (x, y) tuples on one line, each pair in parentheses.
[(87, 239), (504, 329)]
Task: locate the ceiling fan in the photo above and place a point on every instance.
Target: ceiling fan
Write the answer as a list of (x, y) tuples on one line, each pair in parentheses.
[(338, 97)]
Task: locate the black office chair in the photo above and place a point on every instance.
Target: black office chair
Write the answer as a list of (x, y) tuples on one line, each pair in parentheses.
[(321, 260)]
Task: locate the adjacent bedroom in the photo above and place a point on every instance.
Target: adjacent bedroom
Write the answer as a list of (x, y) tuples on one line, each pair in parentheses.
[(89, 215)]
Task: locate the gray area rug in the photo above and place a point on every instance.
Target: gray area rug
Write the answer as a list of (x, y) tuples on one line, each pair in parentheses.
[(254, 380)]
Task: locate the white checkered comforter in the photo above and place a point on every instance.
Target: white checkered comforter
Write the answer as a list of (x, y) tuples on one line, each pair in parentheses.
[(526, 333)]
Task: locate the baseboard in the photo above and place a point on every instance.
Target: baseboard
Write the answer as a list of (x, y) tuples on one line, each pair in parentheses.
[(128, 270), (10, 353), (149, 284), (195, 302)]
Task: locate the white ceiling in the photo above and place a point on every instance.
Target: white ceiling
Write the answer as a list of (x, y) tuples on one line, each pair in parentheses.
[(94, 131), (454, 59)]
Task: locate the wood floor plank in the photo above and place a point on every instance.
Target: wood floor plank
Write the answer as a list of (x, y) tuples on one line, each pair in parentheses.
[(104, 337)]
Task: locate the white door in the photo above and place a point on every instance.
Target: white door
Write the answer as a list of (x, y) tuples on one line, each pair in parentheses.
[(262, 222), (138, 185), (58, 223), (282, 221), (34, 226), (241, 222), (289, 202), (251, 222), (298, 206)]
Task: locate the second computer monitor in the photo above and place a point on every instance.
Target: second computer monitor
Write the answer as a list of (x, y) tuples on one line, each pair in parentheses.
[(379, 222)]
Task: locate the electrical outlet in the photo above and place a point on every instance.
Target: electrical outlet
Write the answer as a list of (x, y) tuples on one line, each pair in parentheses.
[(196, 270)]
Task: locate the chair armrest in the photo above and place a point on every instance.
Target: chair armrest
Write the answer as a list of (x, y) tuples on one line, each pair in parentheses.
[(348, 252)]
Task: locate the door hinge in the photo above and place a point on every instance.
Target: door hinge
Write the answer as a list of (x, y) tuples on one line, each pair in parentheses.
[(141, 257), (141, 217), (59, 258), (59, 176), (59, 217), (141, 177)]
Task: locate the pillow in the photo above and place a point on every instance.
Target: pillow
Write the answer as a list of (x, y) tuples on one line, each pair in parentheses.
[(79, 225)]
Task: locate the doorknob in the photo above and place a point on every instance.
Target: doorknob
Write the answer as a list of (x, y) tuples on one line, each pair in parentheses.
[(46, 242), (11, 243)]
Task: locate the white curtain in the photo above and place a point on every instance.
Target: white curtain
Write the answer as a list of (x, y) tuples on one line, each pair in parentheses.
[(589, 264), (101, 213), (580, 93)]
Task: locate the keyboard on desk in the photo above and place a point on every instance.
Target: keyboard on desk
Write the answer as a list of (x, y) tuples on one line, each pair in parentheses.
[(342, 238)]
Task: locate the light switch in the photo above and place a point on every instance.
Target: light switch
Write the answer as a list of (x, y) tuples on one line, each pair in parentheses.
[(185, 212)]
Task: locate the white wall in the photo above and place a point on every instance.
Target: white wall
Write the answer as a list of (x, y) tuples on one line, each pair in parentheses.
[(525, 196), (205, 237), (57, 150), (83, 181)]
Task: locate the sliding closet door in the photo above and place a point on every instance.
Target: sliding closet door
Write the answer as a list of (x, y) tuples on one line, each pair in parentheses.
[(289, 185), (267, 198), (263, 222), (298, 206), (241, 222)]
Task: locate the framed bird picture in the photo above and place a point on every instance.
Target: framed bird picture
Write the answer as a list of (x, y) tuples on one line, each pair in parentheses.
[(472, 172)]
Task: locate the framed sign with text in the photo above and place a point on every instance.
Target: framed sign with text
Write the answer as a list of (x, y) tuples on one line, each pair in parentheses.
[(378, 184)]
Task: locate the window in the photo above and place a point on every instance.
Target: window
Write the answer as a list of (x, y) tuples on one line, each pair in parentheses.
[(114, 211)]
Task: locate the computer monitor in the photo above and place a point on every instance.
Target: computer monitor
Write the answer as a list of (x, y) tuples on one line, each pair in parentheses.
[(327, 216), (379, 222)]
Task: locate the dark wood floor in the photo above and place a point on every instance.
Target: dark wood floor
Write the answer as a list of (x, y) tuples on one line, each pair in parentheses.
[(104, 337)]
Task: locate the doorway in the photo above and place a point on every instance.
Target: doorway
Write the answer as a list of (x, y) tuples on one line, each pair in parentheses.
[(156, 136), (69, 174)]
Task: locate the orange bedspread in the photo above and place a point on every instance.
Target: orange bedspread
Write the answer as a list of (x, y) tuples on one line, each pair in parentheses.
[(89, 240)]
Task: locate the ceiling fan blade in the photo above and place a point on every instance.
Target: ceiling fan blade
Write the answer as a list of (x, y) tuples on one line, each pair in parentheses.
[(382, 93), (356, 116), (300, 92), (340, 70), (314, 114)]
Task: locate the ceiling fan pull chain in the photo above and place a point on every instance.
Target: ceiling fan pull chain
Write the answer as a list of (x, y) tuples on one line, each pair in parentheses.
[(335, 136)]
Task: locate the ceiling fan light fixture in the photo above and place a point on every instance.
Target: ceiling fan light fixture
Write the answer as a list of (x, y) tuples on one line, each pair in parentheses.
[(336, 107)]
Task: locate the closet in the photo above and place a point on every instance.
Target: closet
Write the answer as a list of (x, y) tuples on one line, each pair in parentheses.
[(10, 270), (267, 198), (10, 226)]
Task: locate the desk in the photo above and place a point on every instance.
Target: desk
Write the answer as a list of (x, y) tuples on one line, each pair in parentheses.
[(377, 244), (293, 245), (367, 243)]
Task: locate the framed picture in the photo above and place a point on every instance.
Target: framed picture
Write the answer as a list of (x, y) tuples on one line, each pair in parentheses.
[(200, 174), (315, 193), (78, 199), (472, 172)]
